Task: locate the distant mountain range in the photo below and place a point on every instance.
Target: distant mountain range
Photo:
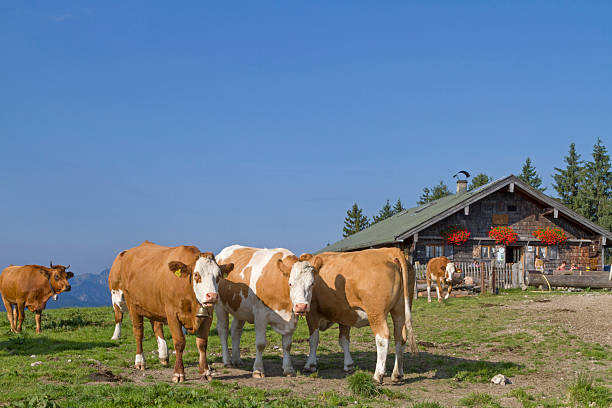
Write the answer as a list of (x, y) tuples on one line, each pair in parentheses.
[(88, 290)]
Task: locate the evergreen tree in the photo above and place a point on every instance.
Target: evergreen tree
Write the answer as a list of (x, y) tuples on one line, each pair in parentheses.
[(384, 213), (439, 191), (595, 190), (568, 180), (354, 221), (398, 207), (530, 176), (479, 180)]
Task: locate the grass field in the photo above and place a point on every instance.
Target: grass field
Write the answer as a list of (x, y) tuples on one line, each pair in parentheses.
[(551, 360)]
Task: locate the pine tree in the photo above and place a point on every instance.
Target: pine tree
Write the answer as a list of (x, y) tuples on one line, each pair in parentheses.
[(479, 180), (354, 221), (568, 180), (384, 213), (530, 176), (398, 207), (439, 191), (595, 191)]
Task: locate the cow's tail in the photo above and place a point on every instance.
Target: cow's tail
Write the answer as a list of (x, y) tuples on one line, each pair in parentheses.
[(408, 279)]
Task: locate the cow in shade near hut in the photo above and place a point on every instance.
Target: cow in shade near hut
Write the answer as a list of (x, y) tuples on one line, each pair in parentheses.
[(177, 286), (360, 288), (266, 286), (440, 269), (31, 286)]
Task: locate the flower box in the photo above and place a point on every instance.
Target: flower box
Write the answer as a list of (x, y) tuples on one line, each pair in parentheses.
[(503, 235), (550, 236), (455, 235)]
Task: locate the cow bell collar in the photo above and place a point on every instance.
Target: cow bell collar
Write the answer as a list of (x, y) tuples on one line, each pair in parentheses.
[(203, 312)]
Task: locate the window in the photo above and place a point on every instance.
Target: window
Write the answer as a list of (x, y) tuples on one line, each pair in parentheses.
[(511, 207), (486, 251), (433, 251), (541, 251)]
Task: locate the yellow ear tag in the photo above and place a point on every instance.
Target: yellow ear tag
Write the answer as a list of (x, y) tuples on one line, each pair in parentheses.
[(178, 272)]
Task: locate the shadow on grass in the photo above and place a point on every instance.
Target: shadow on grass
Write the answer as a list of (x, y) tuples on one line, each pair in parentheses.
[(330, 366), (23, 345)]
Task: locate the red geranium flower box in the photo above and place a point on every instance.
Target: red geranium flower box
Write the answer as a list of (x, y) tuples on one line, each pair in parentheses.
[(503, 235), (455, 235), (550, 236)]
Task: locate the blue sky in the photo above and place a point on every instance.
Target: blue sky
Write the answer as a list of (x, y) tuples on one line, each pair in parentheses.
[(261, 123)]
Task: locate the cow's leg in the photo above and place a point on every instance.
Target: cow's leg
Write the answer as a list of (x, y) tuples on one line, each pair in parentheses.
[(118, 320), (237, 326), (428, 287), (222, 329), (162, 347), (288, 370), (344, 338), (178, 338), (450, 289), (439, 288), (9, 313), (202, 343), (313, 342), (379, 326), (260, 345), (399, 337), (139, 361), (37, 317), (20, 315)]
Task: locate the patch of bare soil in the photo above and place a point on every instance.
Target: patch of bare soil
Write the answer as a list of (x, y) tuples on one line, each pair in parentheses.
[(105, 376)]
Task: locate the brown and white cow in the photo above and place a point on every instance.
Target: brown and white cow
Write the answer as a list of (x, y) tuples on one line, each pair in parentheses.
[(31, 286), (355, 289), (177, 286), (441, 270), (266, 286)]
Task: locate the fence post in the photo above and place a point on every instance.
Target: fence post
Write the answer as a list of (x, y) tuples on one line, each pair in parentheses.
[(493, 279), (483, 271)]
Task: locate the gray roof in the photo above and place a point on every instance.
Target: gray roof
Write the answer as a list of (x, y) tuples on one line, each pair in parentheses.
[(401, 226)]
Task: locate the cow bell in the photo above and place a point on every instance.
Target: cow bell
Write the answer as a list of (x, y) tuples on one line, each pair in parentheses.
[(202, 312)]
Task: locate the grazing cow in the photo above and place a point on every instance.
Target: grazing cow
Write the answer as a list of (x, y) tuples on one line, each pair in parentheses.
[(31, 286), (177, 286), (358, 288), (267, 286), (440, 269)]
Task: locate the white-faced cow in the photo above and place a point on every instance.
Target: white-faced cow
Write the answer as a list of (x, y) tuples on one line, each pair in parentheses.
[(358, 288), (440, 269), (266, 286), (31, 286), (177, 286)]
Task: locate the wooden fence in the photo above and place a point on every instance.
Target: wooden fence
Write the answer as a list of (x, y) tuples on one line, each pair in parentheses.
[(500, 275)]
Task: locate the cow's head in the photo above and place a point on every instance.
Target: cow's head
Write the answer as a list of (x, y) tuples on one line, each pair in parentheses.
[(450, 269), (301, 272), (58, 277), (204, 275)]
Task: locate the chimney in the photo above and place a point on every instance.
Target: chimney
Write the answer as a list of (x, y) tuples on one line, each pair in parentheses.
[(461, 186)]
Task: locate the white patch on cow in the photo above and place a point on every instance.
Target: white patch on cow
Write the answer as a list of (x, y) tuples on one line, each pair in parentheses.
[(429, 291), (118, 300), (362, 319), (447, 295), (348, 360), (139, 359), (301, 281), (117, 332), (285, 315), (258, 262), (55, 297), (382, 346), (450, 269), (287, 363), (227, 252), (209, 272), (162, 349), (438, 291)]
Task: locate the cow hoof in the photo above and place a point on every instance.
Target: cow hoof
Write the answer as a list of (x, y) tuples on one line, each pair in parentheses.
[(310, 369), (349, 368), (114, 338), (163, 361), (379, 379), (396, 378), (428, 300), (258, 374), (139, 366), (236, 363), (289, 374), (207, 376), (178, 378)]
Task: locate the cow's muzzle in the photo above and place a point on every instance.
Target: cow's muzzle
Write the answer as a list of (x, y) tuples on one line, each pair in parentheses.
[(67, 289), (301, 309)]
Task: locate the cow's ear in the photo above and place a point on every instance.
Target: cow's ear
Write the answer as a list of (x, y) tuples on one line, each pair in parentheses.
[(44, 272), (316, 263), (286, 264), (226, 269), (69, 275), (179, 268)]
